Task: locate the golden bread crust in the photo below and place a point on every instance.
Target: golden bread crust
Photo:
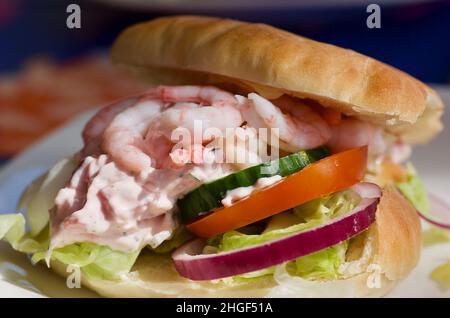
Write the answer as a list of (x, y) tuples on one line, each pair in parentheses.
[(191, 49)]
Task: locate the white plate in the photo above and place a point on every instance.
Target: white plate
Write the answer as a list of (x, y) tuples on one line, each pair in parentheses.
[(18, 278)]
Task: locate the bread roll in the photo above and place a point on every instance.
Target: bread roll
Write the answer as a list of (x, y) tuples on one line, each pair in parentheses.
[(256, 57)]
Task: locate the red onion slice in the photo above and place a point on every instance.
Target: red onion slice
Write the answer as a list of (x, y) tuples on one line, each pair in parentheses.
[(440, 213), (195, 266)]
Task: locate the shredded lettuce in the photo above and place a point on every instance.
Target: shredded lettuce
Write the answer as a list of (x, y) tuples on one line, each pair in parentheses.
[(234, 240), (328, 207), (253, 275), (323, 264), (435, 235), (96, 261), (12, 230), (414, 190), (441, 275)]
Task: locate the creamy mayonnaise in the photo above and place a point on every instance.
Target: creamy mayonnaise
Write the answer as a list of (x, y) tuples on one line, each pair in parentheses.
[(106, 205), (242, 192)]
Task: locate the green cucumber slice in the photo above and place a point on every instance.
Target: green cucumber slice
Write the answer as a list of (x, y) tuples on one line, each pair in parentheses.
[(209, 195)]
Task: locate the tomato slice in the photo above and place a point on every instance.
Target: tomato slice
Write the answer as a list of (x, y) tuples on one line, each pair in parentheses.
[(326, 176)]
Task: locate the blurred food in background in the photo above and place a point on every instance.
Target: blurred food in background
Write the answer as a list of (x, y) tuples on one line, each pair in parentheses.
[(44, 94)]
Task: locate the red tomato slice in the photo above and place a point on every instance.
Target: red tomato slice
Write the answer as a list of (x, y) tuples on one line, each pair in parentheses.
[(331, 174)]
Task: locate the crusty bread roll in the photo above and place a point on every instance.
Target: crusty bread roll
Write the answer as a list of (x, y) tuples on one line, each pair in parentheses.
[(389, 250), (271, 62), (242, 58)]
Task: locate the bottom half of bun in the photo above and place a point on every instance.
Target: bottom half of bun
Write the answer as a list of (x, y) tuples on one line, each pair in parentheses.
[(381, 257)]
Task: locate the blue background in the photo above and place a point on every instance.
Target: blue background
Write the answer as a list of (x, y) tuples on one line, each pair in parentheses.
[(413, 37)]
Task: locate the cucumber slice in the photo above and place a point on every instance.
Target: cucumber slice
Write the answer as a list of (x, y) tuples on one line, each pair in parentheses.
[(209, 195)]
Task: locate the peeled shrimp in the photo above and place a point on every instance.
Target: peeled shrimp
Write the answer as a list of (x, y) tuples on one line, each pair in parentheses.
[(196, 110), (351, 132), (210, 106), (297, 126), (95, 127), (209, 95), (123, 138), (188, 116), (200, 94), (143, 132)]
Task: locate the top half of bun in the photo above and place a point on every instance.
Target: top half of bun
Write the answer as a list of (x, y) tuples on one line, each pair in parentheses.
[(256, 57)]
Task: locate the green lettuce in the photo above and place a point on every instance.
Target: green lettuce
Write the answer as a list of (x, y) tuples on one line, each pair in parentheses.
[(441, 275), (252, 275), (323, 264), (95, 261), (39, 197), (435, 235), (414, 190), (12, 230)]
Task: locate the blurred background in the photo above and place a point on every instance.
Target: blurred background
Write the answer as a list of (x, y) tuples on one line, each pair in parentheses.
[(49, 73)]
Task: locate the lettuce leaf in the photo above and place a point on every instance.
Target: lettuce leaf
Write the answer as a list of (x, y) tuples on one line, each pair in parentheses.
[(12, 230), (252, 275), (323, 264), (95, 261), (414, 190), (441, 275), (39, 197), (327, 207), (435, 235), (235, 240)]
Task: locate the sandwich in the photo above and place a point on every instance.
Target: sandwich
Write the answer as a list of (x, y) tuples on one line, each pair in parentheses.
[(258, 163)]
